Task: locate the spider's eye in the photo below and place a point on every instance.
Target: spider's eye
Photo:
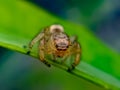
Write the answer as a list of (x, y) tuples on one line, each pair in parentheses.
[(55, 37)]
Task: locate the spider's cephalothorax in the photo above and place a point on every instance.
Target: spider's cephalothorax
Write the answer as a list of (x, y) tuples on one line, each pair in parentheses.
[(54, 41), (61, 42)]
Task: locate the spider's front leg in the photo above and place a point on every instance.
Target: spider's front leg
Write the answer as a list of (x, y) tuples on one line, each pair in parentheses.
[(42, 53), (36, 39), (76, 51), (39, 37)]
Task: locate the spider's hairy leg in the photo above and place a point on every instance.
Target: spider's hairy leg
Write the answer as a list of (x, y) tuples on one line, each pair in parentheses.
[(73, 39), (53, 57), (41, 55), (76, 48), (64, 59), (36, 39), (77, 53)]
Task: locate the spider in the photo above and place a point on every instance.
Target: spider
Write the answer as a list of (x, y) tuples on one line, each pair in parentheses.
[(55, 42)]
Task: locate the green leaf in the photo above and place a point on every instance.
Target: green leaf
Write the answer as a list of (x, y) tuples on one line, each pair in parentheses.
[(20, 21)]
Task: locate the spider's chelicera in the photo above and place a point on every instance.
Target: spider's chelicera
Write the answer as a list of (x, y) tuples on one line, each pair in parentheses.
[(54, 41)]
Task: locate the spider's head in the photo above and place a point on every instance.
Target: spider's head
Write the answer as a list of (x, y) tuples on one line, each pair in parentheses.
[(56, 28), (61, 41)]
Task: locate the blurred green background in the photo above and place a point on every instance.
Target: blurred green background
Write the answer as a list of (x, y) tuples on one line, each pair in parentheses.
[(21, 72)]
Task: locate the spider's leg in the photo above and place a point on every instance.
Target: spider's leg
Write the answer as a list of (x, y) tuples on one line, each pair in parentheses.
[(64, 58), (73, 39), (41, 54), (53, 57), (77, 52), (36, 39)]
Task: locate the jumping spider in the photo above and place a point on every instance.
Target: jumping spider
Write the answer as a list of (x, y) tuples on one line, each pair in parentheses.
[(54, 41)]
